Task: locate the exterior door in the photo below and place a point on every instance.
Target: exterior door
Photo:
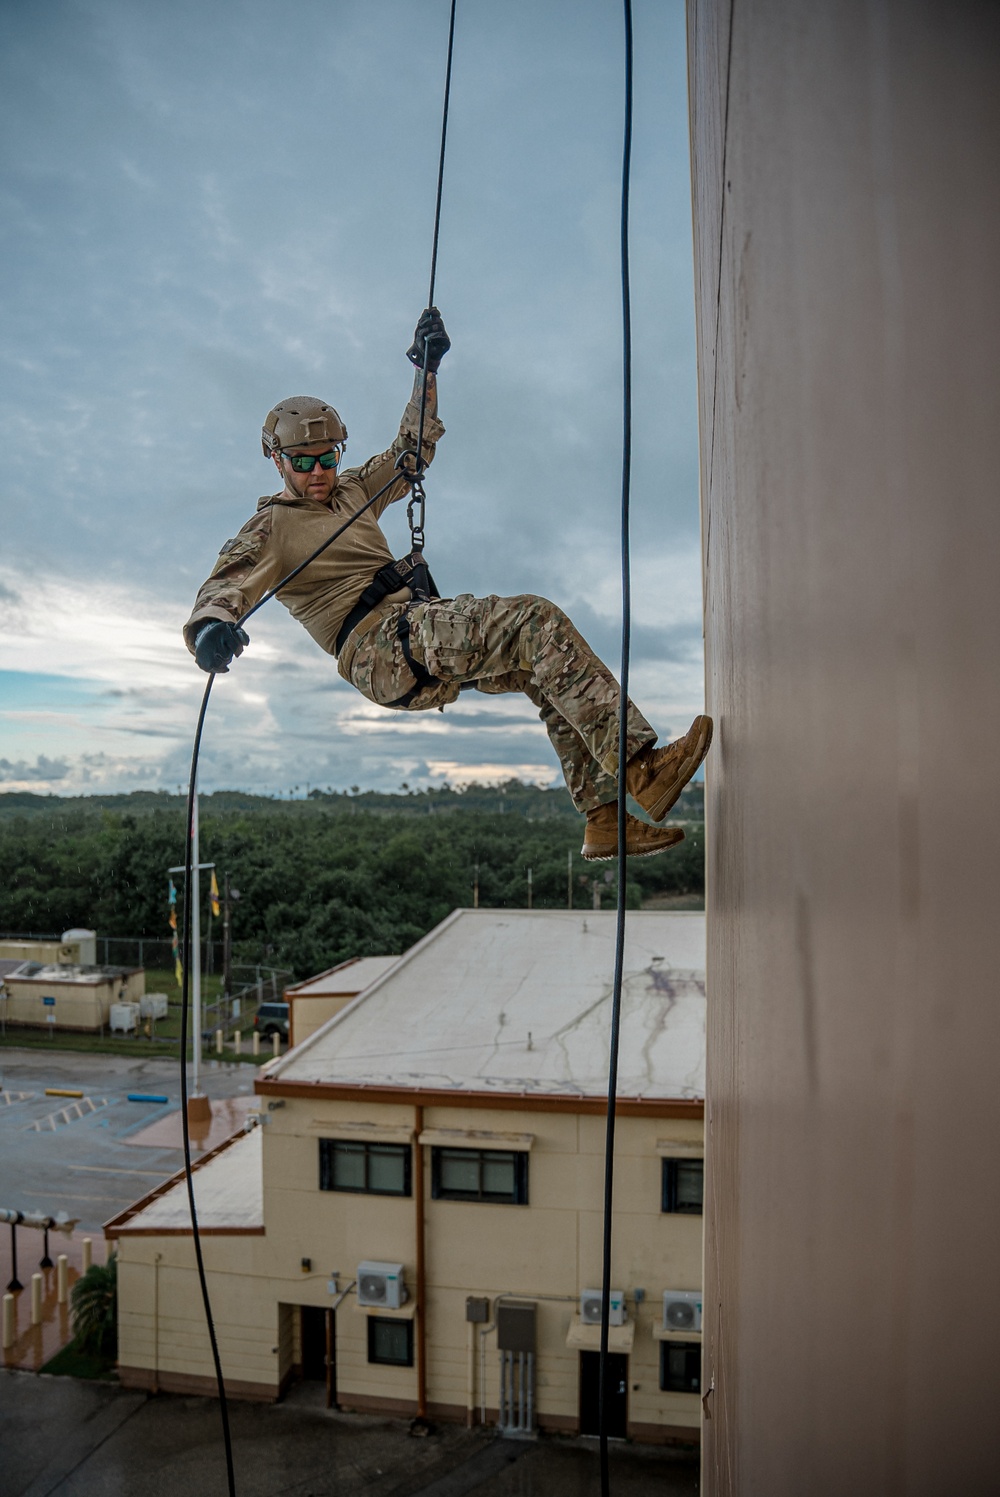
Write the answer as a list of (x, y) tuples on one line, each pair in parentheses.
[(616, 1394), (313, 1344), (319, 1349)]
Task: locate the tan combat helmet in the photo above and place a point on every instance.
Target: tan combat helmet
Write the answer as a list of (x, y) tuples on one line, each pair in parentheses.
[(298, 420)]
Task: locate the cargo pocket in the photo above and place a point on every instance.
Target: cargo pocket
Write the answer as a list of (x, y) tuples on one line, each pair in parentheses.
[(376, 666), (448, 639)]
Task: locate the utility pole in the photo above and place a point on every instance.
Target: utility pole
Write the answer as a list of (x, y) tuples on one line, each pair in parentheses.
[(195, 944), (569, 878), (529, 889), (227, 943), (475, 885), (199, 1107)]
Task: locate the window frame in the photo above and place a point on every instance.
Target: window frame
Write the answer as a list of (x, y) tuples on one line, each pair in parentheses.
[(367, 1147), (690, 1348), (374, 1321), (519, 1157), (669, 1187)]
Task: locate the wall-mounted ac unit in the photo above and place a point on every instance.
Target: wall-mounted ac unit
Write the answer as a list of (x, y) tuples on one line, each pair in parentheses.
[(590, 1307), (682, 1309), (381, 1286)]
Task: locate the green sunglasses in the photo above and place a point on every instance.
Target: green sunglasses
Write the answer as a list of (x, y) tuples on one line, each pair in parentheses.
[(304, 462)]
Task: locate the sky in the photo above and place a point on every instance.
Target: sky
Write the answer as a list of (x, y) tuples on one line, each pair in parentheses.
[(205, 209)]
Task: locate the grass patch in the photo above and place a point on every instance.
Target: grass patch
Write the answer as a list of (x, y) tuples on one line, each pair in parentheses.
[(18, 1038), (72, 1362)]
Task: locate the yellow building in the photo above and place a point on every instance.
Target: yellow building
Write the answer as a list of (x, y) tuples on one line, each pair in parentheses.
[(66, 996), (312, 1002), (77, 946), (418, 1216)]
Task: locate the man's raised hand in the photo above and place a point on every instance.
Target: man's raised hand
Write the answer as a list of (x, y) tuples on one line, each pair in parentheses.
[(430, 329), (216, 643)]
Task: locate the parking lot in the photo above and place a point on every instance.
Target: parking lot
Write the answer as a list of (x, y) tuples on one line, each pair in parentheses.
[(86, 1156)]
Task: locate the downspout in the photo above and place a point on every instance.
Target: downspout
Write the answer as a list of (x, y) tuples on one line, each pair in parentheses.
[(156, 1322), (418, 1192)]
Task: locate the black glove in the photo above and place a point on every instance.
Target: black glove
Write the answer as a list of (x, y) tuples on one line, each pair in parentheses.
[(216, 643), (429, 328)]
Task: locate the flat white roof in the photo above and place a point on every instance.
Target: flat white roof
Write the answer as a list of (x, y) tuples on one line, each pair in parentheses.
[(228, 1192), (67, 972), (520, 1001), (345, 980)]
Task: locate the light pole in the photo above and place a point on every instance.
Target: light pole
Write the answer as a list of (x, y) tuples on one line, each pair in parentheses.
[(199, 1107)]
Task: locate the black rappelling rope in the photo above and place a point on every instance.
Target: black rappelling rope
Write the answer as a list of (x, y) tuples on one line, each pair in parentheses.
[(193, 781), (616, 1001), (434, 245)]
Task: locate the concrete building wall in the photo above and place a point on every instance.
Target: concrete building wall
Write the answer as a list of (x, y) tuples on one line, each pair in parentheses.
[(847, 226), (547, 1251)]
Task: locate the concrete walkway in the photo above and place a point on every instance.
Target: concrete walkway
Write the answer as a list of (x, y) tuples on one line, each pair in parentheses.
[(64, 1438)]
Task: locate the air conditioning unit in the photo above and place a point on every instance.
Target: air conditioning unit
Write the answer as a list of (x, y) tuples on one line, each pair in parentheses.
[(381, 1286), (590, 1307), (682, 1309)]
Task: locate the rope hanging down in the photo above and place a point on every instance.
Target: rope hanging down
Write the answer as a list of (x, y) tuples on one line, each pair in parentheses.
[(616, 1001), (418, 496)]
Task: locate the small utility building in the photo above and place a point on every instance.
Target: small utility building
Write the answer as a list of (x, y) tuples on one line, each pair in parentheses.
[(67, 996), (312, 1002), (417, 1220)]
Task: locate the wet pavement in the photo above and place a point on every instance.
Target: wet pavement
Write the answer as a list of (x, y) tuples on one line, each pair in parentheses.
[(78, 1155), (34, 1345), (90, 1156), (113, 1444)]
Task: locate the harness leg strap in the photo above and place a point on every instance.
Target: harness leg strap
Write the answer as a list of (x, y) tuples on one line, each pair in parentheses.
[(420, 672)]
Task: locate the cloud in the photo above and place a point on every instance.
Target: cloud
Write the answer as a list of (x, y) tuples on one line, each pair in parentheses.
[(48, 771), (158, 280)]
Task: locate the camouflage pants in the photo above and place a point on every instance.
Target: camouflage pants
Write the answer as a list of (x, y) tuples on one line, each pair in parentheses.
[(523, 644)]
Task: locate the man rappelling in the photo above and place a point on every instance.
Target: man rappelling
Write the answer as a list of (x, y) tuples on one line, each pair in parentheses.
[(404, 647)]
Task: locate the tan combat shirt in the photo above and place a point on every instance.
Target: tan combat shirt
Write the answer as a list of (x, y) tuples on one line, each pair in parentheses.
[(285, 531)]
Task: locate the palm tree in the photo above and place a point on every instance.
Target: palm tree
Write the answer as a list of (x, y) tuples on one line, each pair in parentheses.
[(95, 1309)]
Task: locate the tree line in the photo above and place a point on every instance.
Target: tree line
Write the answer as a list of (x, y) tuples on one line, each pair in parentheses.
[(319, 880)]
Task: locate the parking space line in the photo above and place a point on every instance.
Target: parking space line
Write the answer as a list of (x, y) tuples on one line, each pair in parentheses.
[(118, 1169), (48, 1194)]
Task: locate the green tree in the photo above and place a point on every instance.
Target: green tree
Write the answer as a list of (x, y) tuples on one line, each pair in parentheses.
[(95, 1309)]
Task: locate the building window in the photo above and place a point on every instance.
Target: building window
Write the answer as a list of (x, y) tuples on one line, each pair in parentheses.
[(479, 1175), (683, 1185), (390, 1342), (680, 1366), (368, 1169)]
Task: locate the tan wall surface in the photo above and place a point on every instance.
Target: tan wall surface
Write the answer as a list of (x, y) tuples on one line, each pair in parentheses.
[(40, 951), (548, 1251), (847, 250), (79, 1005), (309, 1014)]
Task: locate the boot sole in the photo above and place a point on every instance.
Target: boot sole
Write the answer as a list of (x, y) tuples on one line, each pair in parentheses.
[(668, 797), (650, 852)]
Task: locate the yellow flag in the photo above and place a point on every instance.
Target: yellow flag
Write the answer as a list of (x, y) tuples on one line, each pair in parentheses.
[(214, 895)]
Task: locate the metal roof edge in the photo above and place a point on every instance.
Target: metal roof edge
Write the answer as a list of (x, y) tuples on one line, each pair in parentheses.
[(405, 1096)]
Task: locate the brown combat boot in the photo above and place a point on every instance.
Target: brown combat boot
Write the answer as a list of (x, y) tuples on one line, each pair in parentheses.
[(655, 777), (600, 840)]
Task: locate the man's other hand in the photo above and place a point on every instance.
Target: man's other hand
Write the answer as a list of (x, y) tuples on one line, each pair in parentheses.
[(430, 328), (216, 643)]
